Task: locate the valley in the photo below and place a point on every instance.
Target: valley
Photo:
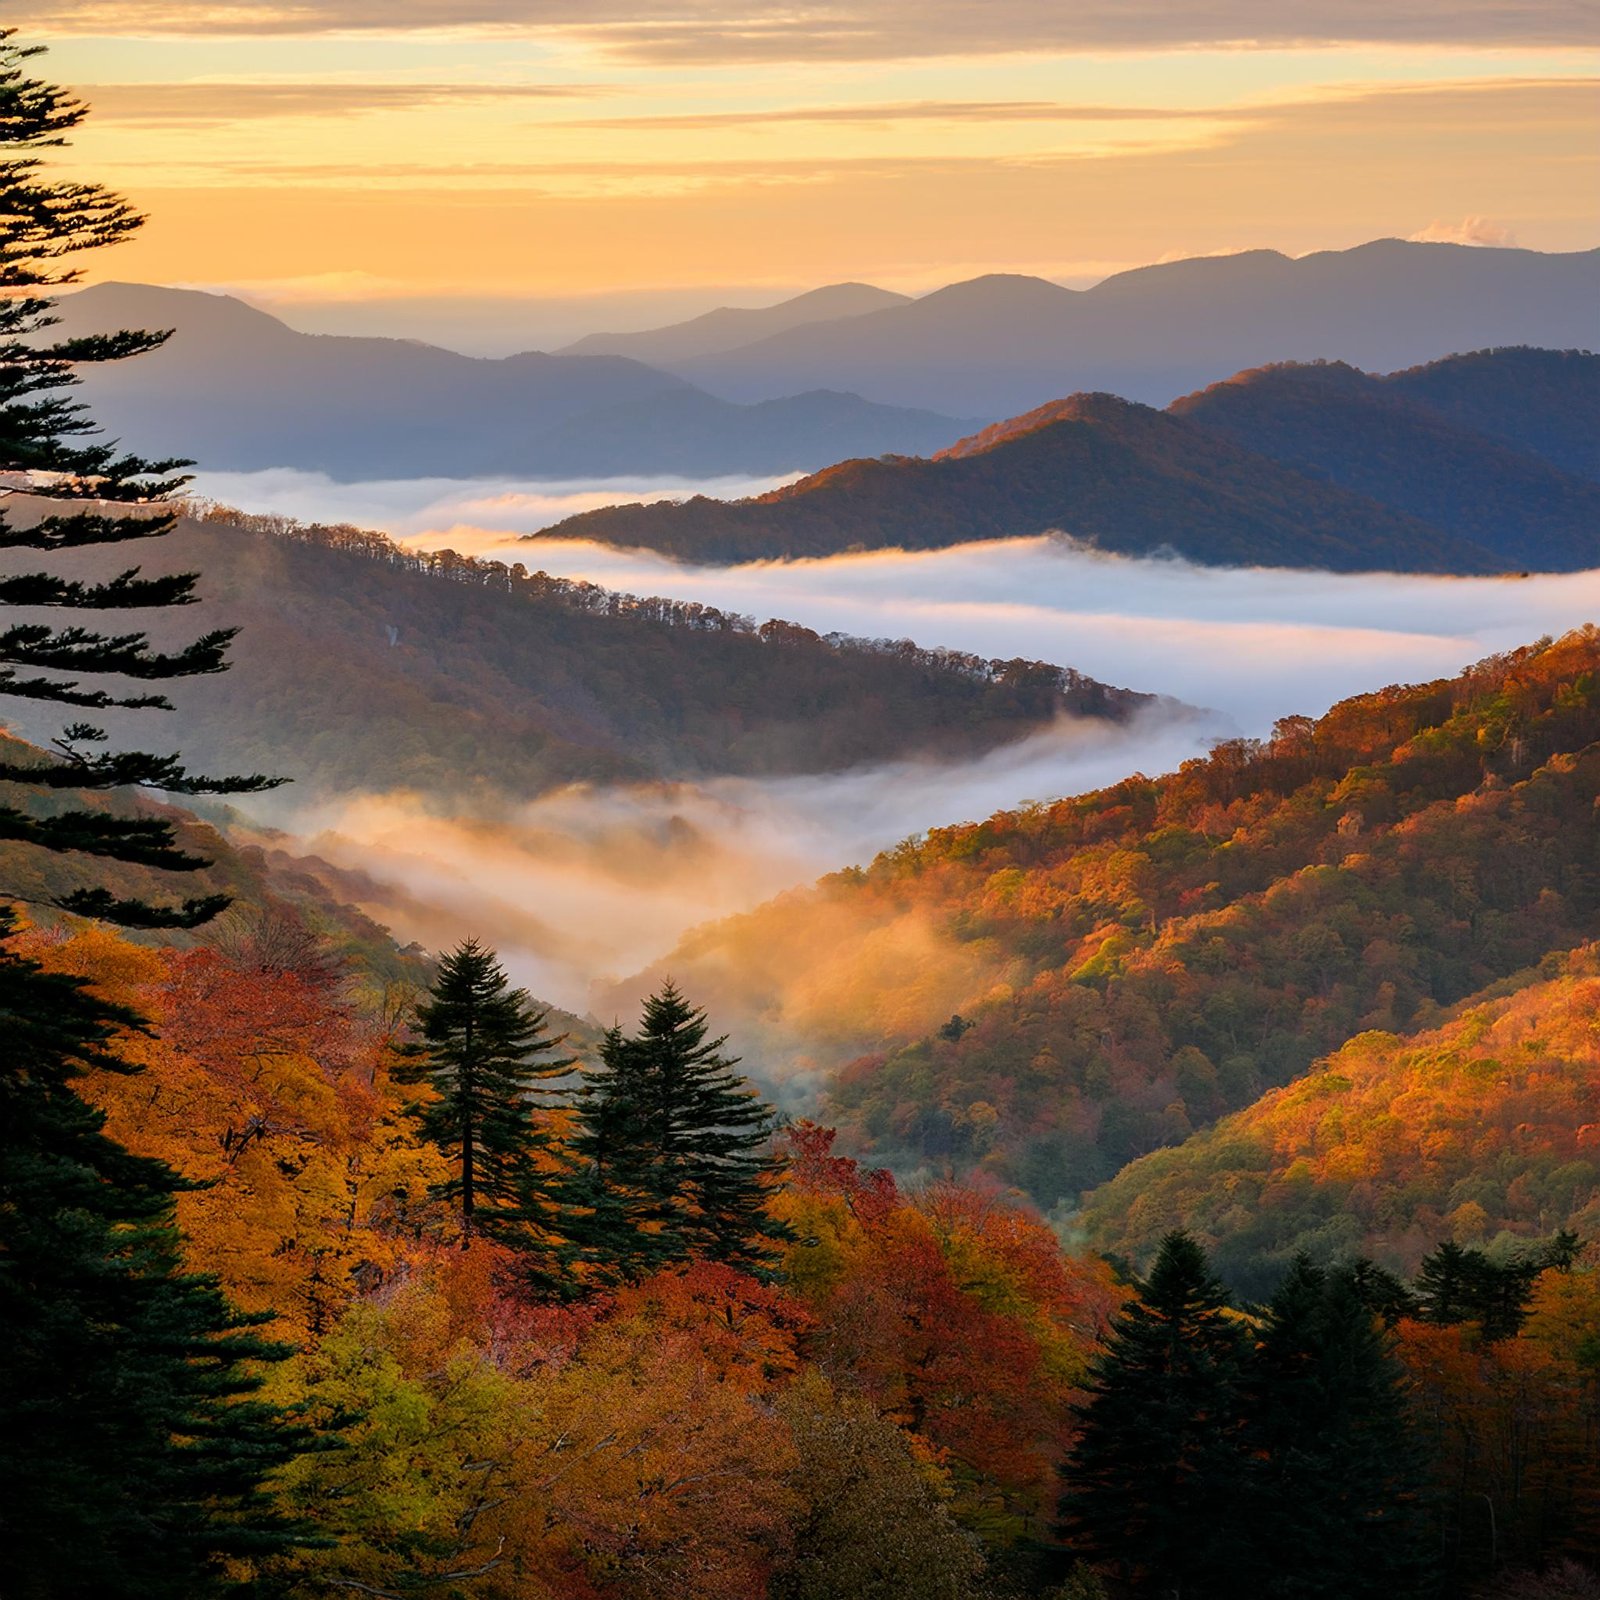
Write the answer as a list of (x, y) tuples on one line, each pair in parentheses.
[(924, 929)]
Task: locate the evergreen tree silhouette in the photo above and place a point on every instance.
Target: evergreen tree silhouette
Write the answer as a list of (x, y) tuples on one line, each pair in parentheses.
[(135, 1447), (1155, 1483), (76, 493), (672, 1145), (480, 1049), (1335, 1464)]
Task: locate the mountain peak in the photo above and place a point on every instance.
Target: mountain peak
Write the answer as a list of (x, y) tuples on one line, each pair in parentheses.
[(1088, 406)]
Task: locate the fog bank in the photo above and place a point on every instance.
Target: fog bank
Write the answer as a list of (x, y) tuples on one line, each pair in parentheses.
[(584, 886), (471, 515), (1254, 643), (588, 885)]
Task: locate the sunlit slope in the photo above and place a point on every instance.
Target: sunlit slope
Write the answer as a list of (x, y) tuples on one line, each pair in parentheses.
[(1486, 1126), (360, 666), (1134, 963), (1124, 477)]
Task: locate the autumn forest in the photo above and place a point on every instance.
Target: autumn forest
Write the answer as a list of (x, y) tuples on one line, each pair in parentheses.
[(1184, 1186)]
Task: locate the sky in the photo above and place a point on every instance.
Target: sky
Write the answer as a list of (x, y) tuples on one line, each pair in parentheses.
[(316, 153)]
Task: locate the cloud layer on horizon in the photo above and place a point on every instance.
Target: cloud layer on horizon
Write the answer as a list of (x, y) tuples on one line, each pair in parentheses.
[(712, 31)]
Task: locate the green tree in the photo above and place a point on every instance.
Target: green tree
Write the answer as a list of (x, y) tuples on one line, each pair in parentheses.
[(76, 492), (480, 1047), (135, 1452), (1336, 1467), (1464, 1285), (1153, 1483), (674, 1150), (872, 1525)]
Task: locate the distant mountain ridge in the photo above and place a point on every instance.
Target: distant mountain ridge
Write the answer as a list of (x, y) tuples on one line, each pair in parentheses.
[(361, 666), (1004, 343), (1382, 439), (238, 390), (731, 327), (1290, 465)]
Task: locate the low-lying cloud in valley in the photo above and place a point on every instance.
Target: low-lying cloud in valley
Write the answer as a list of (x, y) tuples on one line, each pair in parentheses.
[(472, 515), (589, 885), (583, 887)]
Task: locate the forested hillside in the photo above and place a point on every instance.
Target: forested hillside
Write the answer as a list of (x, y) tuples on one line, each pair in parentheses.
[(1381, 438), (1470, 465), (892, 1408), (1544, 401), (1121, 476), (364, 666), (1132, 964), (1485, 1130)]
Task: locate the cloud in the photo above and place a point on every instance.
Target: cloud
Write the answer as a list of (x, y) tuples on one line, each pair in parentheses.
[(1469, 230), (207, 104), (706, 31), (1254, 643), (910, 111), (476, 516), (589, 885)]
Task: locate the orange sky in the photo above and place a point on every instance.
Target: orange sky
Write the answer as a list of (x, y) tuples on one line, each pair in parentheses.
[(316, 149)]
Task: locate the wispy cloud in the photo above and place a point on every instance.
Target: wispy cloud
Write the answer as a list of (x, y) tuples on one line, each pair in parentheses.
[(199, 104), (683, 31), (1469, 230), (909, 111)]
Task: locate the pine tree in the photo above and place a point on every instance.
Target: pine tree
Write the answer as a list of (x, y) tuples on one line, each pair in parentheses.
[(134, 1451), (480, 1045), (82, 493), (1335, 1466), (1456, 1285), (673, 1147), (1155, 1480)]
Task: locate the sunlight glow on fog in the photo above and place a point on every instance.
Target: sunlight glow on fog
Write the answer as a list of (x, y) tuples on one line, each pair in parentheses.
[(586, 884), (466, 514)]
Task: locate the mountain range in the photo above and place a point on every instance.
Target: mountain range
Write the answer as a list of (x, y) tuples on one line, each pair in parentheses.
[(845, 370), (1477, 463), (1004, 343), (238, 390), (732, 327)]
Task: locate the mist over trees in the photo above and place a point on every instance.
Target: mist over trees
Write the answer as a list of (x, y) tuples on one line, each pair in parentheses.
[(328, 1267)]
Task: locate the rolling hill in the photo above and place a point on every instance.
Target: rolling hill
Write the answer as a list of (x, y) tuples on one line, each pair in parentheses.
[(1483, 1129), (1303, 466), (1130, 965), (1004, 343), (1378, 438), (363, 666), (238, 390)]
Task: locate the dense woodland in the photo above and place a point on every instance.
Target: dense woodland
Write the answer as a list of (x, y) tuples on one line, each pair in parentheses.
[(1443, 469), (1485, 1130), (1132, 964), (327, 1269), (887, 1398), (380, 667)]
